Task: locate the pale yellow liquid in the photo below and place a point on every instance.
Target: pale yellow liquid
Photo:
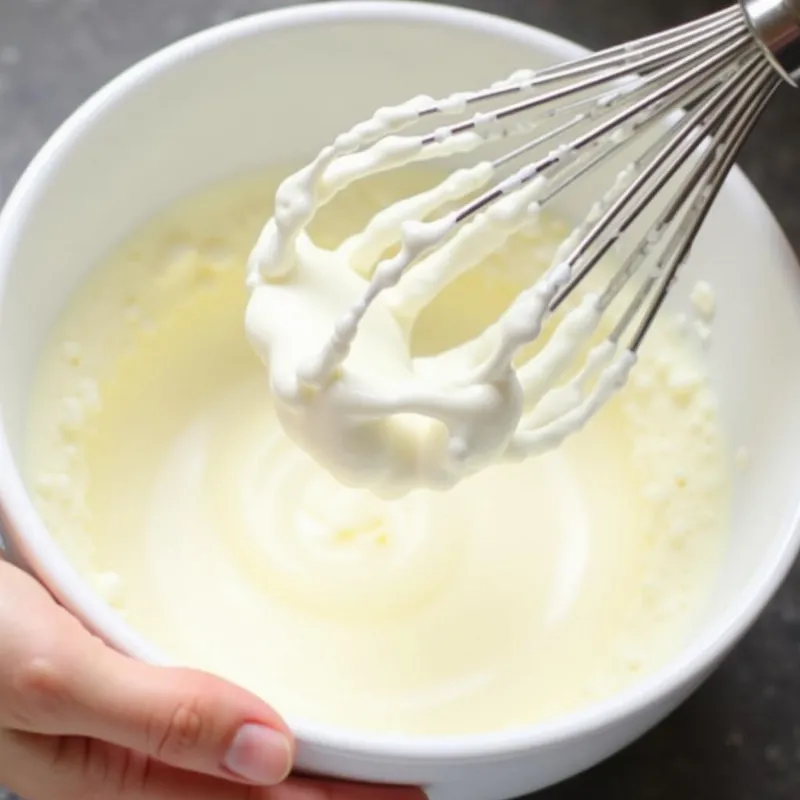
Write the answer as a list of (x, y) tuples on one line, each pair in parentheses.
[(525, 592)]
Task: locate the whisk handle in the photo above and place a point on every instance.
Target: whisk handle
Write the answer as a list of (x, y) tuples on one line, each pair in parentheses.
[(776, 27)]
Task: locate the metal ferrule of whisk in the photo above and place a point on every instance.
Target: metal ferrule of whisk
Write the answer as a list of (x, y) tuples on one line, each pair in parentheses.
[(776, 26)]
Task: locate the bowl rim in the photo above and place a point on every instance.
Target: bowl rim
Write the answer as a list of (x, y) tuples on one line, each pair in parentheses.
[(28, 537)]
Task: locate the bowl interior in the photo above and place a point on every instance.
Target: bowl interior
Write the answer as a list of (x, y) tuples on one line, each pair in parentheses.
[(257, 94)]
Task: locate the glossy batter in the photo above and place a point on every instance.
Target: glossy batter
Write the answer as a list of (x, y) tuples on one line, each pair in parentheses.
[(526, 591)]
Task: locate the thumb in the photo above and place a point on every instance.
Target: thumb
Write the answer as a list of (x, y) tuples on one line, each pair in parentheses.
[(185, 718)]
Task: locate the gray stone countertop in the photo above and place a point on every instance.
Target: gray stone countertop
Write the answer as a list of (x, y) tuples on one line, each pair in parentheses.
[(738, 738)]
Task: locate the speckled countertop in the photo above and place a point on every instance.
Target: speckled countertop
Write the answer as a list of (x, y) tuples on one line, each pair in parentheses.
[(738, 738)]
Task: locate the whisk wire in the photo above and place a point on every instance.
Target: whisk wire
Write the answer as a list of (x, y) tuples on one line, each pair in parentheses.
[(634, 56), (648, 105), (655, 168), (751, 108), (556, 96), (692, 191)]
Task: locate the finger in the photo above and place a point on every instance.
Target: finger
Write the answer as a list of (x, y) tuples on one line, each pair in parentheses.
[(75, 768), (182, 717), (56, 678)]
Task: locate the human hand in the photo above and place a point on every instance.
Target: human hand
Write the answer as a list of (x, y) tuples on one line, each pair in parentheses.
[(79, 721)]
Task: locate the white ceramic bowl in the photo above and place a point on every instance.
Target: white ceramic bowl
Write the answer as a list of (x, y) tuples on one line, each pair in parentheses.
[(273, 88)]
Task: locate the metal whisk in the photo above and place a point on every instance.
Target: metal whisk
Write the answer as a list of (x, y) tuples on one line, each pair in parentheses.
[(675, 106), (714, 77)]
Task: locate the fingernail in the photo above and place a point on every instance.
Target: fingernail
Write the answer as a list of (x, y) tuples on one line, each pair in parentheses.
[(260, 755)]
